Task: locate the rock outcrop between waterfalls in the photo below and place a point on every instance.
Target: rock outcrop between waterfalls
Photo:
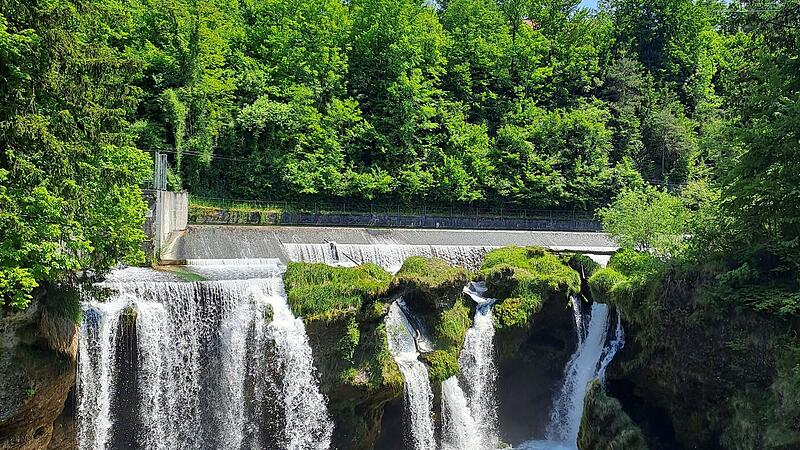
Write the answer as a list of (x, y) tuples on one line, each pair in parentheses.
[(37, 369), (343, 309)]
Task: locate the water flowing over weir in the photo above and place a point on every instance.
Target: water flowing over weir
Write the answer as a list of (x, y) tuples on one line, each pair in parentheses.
[(218, 364), (418, 393), (387, 255)]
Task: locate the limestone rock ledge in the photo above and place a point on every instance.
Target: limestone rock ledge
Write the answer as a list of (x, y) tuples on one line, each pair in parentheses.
[(37, 369)]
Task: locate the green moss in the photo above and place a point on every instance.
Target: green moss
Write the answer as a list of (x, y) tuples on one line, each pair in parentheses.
[(430, 283), (441, 365), (604, 424), (432, 289), (318, 289), (516, 311), (447, 327), (521, 278), (344, 311), (182, 272), (349, 341), (430, 271), (602, 283), (453, 325)]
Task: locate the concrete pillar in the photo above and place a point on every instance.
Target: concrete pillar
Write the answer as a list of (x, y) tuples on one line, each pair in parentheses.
[(167, 214)]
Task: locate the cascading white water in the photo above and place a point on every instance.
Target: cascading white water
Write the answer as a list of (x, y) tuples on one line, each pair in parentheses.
[(208, 357), (577, 313), (417, 391), (478, 370), (582, 367), (616, 343), (387, 255), (459, 430), (95, 385), (308, 425)]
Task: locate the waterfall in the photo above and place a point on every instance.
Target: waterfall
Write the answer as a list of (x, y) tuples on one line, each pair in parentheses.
[(567, 410), (390, 256), (210, 357), (459, 430), (615, 345), (478, 371), (417, 391), (96, 368), (307, 422)]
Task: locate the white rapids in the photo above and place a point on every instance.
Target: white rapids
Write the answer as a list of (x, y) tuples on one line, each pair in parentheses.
[(215, 359)]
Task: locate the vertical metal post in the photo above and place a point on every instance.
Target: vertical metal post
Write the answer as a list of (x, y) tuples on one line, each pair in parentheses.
[(159, 171)]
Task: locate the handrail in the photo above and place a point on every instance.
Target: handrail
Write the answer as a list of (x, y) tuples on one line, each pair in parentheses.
[(348, 207)]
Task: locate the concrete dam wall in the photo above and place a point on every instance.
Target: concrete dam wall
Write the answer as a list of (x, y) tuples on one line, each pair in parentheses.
[(347, 246)]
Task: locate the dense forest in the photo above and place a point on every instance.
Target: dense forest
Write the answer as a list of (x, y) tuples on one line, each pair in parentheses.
[(521, 102)]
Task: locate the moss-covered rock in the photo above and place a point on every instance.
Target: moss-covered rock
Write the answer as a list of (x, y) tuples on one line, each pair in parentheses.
[(344, 311), (605, 425), (441, 364), (535, 333), (722, 374), (584, 265), (430, 284), (319, 289), (521, 278), (433, 291)]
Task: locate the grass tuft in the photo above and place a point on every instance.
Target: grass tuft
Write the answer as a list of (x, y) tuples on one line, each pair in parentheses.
[(322, 290)]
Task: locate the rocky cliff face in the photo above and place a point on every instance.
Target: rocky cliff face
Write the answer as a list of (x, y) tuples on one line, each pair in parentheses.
[(605, 425), (697, 374), (37, 369)]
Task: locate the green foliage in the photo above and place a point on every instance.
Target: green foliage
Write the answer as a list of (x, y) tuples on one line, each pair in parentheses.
[(627, 276), (647, 220), (581, 263), (521, 278), (604, 424), (69, 171), (441, 365), (319, 289)]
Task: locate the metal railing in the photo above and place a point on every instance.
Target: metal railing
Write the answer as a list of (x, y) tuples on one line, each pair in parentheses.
[(360, 207), (356, 213)]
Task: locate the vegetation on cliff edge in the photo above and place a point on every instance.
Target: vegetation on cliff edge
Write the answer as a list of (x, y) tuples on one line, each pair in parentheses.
[(319, 289), (344, 309)]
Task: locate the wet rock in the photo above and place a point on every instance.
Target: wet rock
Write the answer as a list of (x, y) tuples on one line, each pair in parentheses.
[(37, 369)]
